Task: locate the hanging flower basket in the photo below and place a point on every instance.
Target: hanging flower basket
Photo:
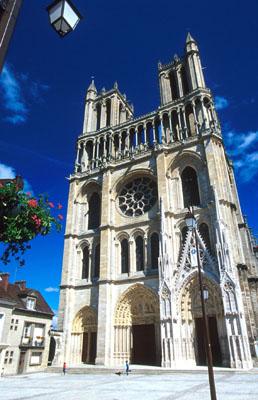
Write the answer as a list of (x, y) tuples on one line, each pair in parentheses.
[(22, 218)]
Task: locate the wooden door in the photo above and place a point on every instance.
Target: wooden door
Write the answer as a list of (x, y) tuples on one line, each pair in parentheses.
[(85, 344), (144, 346), (200, 344), (93, 347)]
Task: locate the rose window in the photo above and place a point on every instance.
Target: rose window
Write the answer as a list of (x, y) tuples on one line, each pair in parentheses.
[(138, 196)]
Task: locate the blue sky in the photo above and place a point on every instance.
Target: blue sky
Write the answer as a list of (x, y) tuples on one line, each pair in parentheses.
[(43, 86)]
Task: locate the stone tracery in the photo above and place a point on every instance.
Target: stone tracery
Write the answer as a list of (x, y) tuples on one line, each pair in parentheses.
[(137, 196), (138, 305)]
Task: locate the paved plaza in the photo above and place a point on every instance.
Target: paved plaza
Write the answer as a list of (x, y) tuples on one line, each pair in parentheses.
[(108, 386)]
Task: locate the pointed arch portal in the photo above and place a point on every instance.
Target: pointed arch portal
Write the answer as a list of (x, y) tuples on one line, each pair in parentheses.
[(137, 327), (192, 321), (84, 336)]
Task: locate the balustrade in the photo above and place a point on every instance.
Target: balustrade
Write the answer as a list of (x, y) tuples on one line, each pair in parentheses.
[(180, 122)]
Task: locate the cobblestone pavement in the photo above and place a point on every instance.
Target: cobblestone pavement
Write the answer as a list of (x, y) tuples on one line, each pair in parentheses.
[(108, 386)]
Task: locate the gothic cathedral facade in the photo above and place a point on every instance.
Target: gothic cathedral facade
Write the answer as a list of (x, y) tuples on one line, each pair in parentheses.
[(129, 288)]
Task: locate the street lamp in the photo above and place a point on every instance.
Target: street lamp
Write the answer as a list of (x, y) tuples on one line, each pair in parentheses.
[(191, 223), (63, 16)]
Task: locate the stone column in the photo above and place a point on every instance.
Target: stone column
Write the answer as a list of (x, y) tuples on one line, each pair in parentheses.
[(103, 121), (195, 119), (154, 133), (145, 243), (119, 144), (144, 136), (104, 349), (131, 257), (163, 139), (204, 114), (170, 127), (77, 161), (90, 264), (135, 137), (105, 148), (97, 151), (179, 80), (180, 136), (186, 133)]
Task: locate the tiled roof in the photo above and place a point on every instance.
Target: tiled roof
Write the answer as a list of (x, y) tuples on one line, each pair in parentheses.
[(16, 294)]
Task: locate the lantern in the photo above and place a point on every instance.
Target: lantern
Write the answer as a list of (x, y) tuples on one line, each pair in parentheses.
[(63, 16)]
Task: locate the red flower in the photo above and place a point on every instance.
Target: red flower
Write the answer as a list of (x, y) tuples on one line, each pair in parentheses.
[(37, 221), (32, 203), (51, 204), (60, 216), (59, 206)]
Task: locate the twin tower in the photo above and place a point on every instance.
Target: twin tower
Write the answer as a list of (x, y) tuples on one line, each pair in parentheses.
[(129, 287), (108, 110)]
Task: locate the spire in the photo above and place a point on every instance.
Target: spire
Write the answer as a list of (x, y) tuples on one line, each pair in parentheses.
[(92, 91), (190, 44), (92, 86), (189, 38)]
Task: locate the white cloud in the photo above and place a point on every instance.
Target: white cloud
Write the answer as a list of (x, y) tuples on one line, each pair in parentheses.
[(238, 143), (249, 139), (13, 88), (12, 96), (51, 289), (242, 147), (8, 172), (221, 102)]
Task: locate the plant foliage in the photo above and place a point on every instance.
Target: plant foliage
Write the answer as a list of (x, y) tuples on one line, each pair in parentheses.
[(22, 218)]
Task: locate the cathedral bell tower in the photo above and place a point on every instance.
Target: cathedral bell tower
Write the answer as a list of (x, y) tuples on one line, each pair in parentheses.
[(129, 288)]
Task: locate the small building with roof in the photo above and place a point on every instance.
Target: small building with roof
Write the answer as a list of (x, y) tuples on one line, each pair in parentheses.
[(25, 323)]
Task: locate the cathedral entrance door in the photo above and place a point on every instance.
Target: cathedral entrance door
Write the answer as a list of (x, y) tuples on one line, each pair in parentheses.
[(214, 338), (144, 348), (93, 348), (89, 347), (85, 343)]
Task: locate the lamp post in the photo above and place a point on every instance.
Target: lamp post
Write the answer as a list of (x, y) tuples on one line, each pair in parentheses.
[(191, 223)]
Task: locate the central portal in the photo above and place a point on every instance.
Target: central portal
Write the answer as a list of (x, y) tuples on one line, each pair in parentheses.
[(214, 340), (137, 327), (144, 347)]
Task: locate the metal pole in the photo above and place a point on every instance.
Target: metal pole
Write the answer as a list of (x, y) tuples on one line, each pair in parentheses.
[(206, 326), (8, 21)]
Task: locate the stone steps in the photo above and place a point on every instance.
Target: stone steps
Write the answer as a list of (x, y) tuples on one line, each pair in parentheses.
[(136, 370)]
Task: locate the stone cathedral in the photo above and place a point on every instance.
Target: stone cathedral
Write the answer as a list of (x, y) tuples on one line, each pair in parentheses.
[(129, 288)]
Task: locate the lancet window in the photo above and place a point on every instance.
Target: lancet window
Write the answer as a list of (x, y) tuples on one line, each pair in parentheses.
[(94, 211), (173, 85), (204, 232), (124, 256), (85, 263), (139, 253), (190, 187), (154, 251)]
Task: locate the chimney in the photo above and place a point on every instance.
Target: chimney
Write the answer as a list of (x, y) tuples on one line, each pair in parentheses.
[(21, 284), (4, 280)]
